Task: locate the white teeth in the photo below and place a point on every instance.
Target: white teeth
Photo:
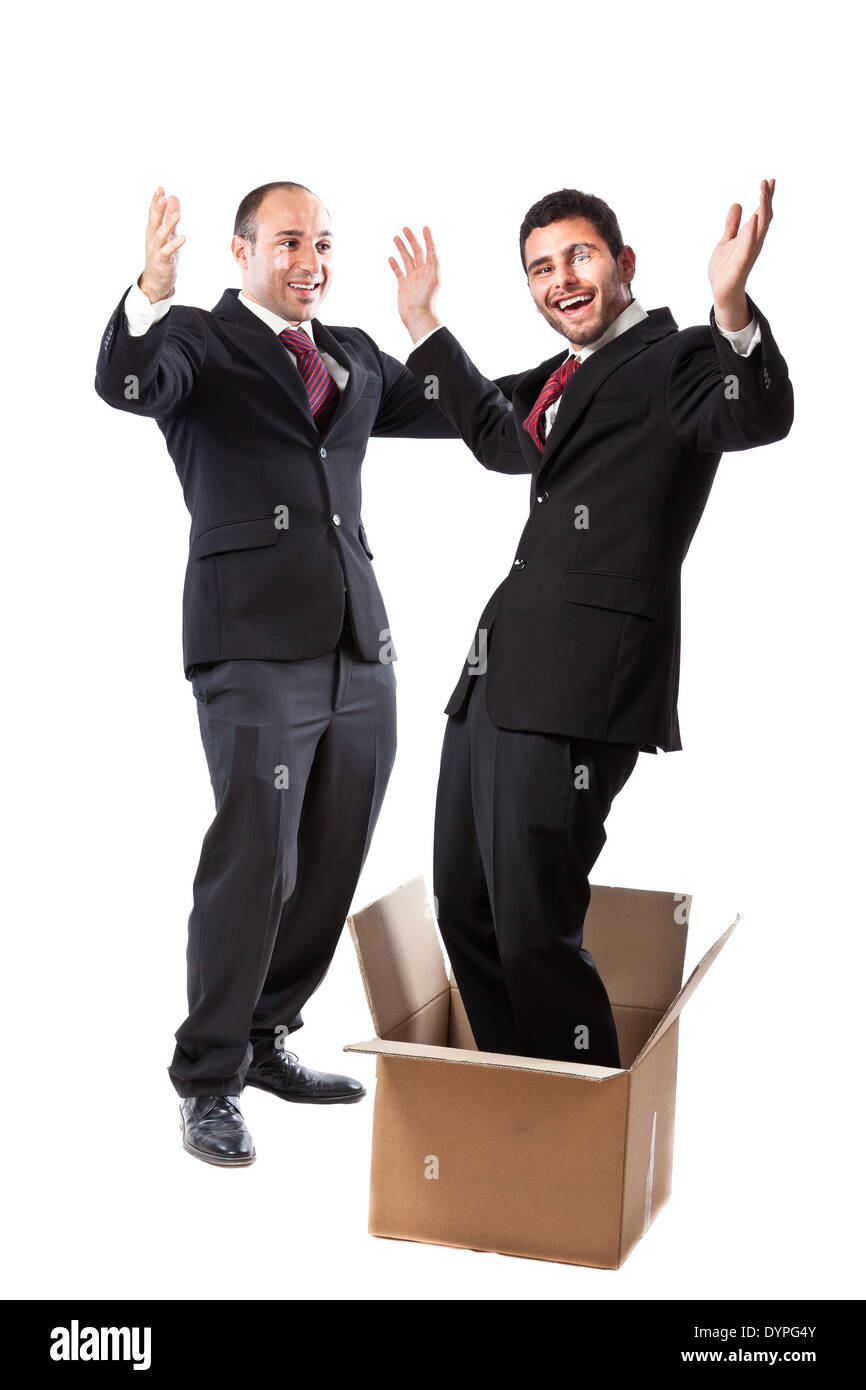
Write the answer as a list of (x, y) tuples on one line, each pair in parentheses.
[(575, 299), (294, 286)]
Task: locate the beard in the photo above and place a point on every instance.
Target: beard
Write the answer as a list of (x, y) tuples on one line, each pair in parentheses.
[(611, 297)]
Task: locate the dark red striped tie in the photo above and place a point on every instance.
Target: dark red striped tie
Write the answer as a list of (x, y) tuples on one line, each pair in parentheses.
[(550, 392), (321, 387)]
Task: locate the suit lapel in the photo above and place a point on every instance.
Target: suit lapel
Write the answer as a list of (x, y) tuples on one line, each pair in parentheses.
[(583, 385), (326, 342), (595, 370), (262, 345)]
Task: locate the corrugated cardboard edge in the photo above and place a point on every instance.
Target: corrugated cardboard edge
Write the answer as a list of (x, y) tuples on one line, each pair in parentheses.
[(495, 1250), (425, 1052), (677, 1005), (649, 1141)]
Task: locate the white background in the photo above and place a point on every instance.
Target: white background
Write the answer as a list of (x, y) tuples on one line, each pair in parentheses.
[(459, 115)]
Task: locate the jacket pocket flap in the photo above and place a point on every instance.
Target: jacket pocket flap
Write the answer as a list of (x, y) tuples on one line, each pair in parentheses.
[(625, 593), (235, 535)]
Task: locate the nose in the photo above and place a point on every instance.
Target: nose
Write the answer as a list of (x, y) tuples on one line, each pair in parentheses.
[(564, 277), (309, 262)]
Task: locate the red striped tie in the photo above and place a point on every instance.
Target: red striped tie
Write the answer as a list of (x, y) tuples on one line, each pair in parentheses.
[(550, 392), (321, 387)]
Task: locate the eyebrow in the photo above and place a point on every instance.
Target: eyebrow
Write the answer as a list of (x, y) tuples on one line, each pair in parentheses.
[(576, 246), (294, 232)]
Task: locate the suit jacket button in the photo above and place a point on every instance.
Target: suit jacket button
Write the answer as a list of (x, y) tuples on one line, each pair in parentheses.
[(323, 453), (519, 564), (542, 496), (337, 519)]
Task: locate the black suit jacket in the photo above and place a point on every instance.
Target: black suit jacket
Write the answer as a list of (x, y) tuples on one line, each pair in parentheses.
[(238, 425), (587, 639)]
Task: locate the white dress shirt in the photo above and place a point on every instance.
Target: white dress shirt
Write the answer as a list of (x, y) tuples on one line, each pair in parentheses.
[(141, 315), (743, 340)]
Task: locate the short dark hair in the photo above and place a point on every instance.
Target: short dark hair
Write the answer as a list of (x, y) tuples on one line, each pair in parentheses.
[(570, 202), (246, 217)]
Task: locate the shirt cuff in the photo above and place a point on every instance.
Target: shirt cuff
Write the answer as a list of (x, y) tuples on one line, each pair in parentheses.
[(743, 340), (140, 313), (427, 335)]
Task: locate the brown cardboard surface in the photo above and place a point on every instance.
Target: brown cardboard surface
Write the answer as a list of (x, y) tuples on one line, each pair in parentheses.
[(532, 1156), (525, 1163), (637, 939), (678, 1003), (400, 958), (649, 1145), (633, 1027), (459, 1028)]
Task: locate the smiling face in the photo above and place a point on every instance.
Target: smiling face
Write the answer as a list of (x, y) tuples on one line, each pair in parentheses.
[(575, 281), (288, 268)]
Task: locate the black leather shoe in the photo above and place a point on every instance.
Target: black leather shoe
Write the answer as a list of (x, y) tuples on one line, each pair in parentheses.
[(214, 1130), (282, 1074)]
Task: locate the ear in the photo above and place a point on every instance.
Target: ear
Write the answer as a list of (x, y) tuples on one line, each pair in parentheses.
[(627, 262), (241, 251)]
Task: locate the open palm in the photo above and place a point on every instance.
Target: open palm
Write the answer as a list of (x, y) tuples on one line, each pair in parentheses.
[(739, 247)]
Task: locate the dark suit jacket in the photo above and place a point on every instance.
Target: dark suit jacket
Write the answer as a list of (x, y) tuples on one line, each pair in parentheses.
[(237, 423), (587, 622)]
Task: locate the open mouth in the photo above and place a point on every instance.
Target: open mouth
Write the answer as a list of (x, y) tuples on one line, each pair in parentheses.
[(574, 306), (304, 288)]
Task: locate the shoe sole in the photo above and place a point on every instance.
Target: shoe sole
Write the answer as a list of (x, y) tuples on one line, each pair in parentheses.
[(218, 1162), (307, 1100)]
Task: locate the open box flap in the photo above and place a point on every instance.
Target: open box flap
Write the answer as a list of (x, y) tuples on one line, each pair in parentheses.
[(676, 1007), (425, 1052), (401, 961), (637, 938)]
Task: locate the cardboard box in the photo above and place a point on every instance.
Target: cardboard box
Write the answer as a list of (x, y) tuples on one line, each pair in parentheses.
[(524, 1156)]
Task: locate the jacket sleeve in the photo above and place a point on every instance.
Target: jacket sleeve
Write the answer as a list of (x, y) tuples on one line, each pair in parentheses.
[(480, 409), (719, 401), (407, 409), (152, 374)]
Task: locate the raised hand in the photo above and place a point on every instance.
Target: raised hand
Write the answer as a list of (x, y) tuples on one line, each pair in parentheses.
[(161, 247), (417, 282), (734, 256)]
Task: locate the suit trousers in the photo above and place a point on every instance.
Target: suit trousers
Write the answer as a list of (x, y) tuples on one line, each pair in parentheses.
[(299, 755), (519, 824)]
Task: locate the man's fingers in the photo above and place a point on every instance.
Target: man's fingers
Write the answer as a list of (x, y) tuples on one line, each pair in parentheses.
[(170, 247), (732, 222), (171, 211), (166, 229), (417, 248), (428, 242), (396, 269), (155, 211), (408, 262), (765, 207)]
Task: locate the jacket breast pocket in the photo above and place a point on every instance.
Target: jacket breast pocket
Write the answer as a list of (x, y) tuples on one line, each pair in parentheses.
[(617, 408), (622, 593), (235, 535)]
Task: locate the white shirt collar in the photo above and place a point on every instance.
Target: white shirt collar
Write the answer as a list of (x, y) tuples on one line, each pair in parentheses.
[(273, 320), (631, 314)]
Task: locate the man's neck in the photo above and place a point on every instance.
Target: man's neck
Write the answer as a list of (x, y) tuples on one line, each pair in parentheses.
[(269, 316), (634, 311)]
